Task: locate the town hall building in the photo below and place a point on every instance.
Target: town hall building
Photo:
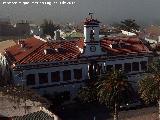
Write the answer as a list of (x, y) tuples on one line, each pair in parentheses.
[(50, 66)]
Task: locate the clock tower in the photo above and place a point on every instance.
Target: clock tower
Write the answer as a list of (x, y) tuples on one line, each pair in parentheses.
[(91, 37)]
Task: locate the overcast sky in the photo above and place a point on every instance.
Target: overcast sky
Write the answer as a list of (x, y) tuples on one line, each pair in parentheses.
[(107, 11)]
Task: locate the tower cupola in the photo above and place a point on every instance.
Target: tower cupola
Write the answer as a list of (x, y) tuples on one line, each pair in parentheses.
[(91, 29), (91, 37)]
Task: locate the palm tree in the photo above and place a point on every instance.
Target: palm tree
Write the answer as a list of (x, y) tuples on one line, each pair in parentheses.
[(113, 89), (49, 27), (149, 87), (88, 94)]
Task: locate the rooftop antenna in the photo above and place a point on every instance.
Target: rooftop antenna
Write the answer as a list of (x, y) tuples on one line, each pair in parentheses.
[(91, 15)]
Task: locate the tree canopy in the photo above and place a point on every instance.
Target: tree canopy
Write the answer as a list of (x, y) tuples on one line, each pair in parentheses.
[(149, 87), (111, 89), (129, 25), (88, 94), (114, 88), (49, 27)]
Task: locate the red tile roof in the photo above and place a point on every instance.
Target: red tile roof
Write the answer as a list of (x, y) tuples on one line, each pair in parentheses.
[(33, 52), (125, 45), (68, 51), (16, 52)]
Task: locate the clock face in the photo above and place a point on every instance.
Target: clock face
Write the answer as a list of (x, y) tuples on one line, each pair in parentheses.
[(92, 48)]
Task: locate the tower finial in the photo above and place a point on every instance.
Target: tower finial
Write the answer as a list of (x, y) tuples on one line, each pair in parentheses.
[(91, 15)]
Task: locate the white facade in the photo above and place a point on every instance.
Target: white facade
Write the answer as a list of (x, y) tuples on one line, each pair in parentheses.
[(87, 31), (50, 87), (127, 33), (73, 85), (151, 41), (92, 40), (92, 54), (4, 69), (36, 30), (134, 75), (2, 64)]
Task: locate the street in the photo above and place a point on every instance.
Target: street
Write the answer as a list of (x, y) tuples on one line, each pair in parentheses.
[(99, 112)]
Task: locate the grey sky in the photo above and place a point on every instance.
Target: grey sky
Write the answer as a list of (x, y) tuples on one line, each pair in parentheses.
[(107, 11)]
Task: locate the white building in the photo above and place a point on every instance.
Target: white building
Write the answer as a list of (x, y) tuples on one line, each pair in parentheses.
[(151, 40), (58, 66), (128, 33), (35, 30)]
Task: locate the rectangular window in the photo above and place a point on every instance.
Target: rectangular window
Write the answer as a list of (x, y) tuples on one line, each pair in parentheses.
[(43, 78), (127, 67), (109, 68), (30, 79), (143, 65), (118, 66), (66, 75), (135, 66), (55, 76), (78, 74)]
